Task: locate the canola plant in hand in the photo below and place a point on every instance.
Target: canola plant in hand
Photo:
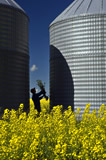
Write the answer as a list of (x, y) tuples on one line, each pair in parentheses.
[(53, 135)]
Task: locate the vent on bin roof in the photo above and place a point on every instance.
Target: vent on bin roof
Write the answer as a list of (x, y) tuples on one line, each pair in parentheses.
[(11, 3), (79, 7)]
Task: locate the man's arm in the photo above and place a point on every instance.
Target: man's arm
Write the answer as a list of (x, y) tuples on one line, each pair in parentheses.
[(40, 97), (39, 93)]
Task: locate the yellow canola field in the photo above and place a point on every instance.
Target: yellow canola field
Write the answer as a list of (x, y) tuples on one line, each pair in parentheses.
[(53, 135)]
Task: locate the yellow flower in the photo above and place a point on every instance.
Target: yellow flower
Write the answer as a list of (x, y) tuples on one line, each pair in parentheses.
[(52, 135)]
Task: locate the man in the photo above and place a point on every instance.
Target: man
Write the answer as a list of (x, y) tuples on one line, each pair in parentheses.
[(36, 98)]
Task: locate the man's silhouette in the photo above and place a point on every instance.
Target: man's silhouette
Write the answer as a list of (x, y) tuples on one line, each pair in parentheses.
[(36, 98)]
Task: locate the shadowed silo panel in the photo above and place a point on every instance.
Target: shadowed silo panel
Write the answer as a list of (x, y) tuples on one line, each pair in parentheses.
[(14, 55), (79, 34)]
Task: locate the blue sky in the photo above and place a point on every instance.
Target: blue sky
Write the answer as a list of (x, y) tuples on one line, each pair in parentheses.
[(41, 14)]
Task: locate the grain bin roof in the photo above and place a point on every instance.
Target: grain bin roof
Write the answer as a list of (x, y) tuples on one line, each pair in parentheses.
[(79, 7), (11, 3)]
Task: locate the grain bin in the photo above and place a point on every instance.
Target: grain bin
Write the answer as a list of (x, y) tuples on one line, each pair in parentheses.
[(78, 55), (14, 55)]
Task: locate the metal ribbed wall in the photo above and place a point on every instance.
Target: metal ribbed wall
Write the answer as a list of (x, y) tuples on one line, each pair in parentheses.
[(81, 40), (14, 58)]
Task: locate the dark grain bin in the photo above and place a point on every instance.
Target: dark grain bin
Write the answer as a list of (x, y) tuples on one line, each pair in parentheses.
[(14, 55)]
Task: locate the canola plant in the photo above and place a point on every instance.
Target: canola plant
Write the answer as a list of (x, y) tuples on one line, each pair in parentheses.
[(53, 135)]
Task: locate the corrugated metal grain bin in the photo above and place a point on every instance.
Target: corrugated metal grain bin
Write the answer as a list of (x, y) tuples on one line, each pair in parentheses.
[(14, 55), (78, 37)]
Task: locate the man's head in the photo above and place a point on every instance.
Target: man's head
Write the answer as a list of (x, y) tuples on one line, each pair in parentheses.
[(33, 90)]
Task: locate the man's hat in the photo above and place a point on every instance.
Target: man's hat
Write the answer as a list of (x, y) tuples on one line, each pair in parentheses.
[(33, 90)]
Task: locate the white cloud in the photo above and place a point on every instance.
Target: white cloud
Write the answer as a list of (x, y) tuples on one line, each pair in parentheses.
[(33, 68)]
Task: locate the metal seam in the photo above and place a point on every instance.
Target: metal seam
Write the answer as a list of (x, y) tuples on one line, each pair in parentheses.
[(8, 2), (71, 6), (78, 6), (89, 5)]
